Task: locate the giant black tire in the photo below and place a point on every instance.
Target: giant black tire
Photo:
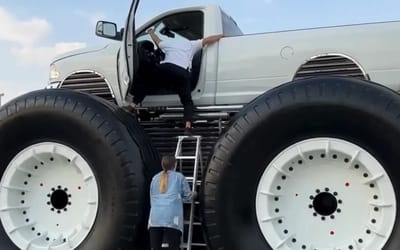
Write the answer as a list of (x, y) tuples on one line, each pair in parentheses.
[(359, 112), (114, 146), (151, 160)]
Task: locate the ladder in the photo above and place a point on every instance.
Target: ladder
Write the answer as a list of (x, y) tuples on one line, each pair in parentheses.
[(193, 179)]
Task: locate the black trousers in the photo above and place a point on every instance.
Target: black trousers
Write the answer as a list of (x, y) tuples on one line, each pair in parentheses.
[(166, 75), (171, 236)]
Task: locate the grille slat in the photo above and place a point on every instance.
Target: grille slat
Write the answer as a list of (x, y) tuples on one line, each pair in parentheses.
[(83, 75), (93, 84), (97, 89), (329, 70), (331, 65), (355, 75), (85, 81), (89, 82), (328, 58)]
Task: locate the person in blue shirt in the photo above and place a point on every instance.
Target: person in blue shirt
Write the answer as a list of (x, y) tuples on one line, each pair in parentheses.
[(168, 191)]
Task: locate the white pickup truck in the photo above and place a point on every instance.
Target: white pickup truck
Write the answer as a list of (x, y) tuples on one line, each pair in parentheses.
[(300, 135), (241, 67)]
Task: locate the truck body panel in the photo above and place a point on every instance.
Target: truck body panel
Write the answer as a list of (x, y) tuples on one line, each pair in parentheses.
[(250, 65)]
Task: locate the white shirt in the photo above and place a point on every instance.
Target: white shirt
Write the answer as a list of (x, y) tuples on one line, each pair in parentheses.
[(180, 52)]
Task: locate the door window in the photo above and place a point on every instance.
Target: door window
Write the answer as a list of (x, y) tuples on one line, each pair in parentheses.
[(187, 25)]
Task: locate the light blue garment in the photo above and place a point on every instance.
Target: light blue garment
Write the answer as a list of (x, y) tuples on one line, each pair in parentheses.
[(167, 208)]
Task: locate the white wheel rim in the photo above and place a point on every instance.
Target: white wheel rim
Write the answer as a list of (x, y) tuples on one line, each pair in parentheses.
[(292, 214), (48, 198)]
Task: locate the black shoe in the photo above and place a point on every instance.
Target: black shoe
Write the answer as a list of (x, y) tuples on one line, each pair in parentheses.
[(188, 132), (129, 109)]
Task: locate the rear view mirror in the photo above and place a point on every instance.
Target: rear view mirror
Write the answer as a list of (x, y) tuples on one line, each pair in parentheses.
[(108, 30)]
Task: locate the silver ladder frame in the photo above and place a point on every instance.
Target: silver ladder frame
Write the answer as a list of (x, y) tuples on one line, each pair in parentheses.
[(197, 159)]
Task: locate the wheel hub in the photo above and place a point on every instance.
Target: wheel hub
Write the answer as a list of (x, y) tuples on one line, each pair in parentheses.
[(325, 204), (48, 198), (325, 193), (59, 199)]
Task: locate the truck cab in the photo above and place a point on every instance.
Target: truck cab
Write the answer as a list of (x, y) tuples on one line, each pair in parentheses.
[(107, 73)]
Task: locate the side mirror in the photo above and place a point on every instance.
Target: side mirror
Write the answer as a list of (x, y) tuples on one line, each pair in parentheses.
[(108, 30)]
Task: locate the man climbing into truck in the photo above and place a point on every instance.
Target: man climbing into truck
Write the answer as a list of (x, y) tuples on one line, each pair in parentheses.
[(173, 70)]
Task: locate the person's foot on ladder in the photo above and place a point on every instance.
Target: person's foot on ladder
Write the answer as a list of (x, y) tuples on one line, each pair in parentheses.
[(188, 129), (131, 108)]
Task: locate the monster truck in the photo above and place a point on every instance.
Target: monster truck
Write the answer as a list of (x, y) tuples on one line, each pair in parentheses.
[(300, 132)]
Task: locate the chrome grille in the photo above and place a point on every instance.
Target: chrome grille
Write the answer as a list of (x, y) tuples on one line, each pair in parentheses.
[(335, 65), (89, 82)]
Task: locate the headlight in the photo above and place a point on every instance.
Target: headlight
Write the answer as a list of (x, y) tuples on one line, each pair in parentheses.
[(54, 74)]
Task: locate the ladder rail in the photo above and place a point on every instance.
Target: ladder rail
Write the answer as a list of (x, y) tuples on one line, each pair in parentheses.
[(197, 159), (194, 185), (178, 152)]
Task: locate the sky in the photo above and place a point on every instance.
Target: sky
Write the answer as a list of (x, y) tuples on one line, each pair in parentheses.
[(33, 32)]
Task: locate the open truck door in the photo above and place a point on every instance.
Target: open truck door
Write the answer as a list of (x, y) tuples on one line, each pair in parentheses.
[(126, 58)]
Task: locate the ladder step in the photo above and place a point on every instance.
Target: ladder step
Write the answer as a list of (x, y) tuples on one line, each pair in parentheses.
[(184, 245), (193, 137), (189, 178), (186, 222), (186, 157), (189, 204), (198, 182)]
